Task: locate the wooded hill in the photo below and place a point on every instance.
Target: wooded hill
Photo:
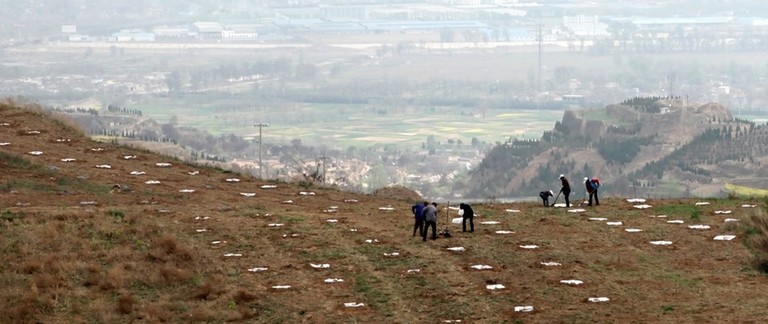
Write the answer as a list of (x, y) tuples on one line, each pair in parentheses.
[(644, 146)]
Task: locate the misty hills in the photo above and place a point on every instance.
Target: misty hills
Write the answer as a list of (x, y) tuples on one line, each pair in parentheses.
[(644, 146)]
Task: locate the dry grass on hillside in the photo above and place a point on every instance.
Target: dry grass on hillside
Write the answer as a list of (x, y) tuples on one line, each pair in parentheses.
[(76, 250)]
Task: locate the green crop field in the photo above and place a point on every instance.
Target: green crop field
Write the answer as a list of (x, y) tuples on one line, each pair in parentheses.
[(345, 125)]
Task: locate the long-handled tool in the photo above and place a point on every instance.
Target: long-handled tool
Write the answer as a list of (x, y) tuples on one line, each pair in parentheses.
[(558, 196)]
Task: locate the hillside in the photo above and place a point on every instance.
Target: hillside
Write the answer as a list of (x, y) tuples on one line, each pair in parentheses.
[(83, 242), (652, 147)]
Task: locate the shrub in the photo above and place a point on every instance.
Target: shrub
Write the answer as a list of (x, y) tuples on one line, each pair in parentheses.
[(755, 237)]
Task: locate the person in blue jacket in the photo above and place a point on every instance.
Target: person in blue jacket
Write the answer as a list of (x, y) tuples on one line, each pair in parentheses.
[(417, 210)]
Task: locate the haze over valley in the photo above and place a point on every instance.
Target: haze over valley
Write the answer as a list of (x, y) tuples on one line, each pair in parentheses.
[(371, 94)]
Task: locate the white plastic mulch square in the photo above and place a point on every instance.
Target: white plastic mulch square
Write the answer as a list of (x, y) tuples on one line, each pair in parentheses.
[(574, 282), (614, 223), (129, 157), (490, 223), (512, 210), (633, 230), (504, 232), (702, 203), (494, 287), (699, 227), (353, 304), (722, 211), (551, 264), (5, 144), (559, 205), (748, 206), (456, 249), (728, 220), (248, 194), (724, 237), (268, 187), (89, 202), (275, 225), (193, 172), (201, 230), (413, 271), (457, 220), (675, 221), (281, 287), (393, 254), (332, 220), (306, 193), (523, 309), (333, 280), (234, 180), (103, 166), (658, 216), (643, 206), (258, 269), (63, 140), (233, 254), (163, 164), (371, 241), (33, 132), (598, 299), (481, 267), (187, 190), (202, 218), (68, 160), (598, 219), (635, 200), (661, 242), (320, 265), (291, 235), (350, 201), (529, 247), (35, 153), (386, 208), (577, 210), (138, 173), (288, 201), (152, 182)]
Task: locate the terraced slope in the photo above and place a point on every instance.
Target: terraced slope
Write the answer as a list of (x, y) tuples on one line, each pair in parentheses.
[(83, 242)]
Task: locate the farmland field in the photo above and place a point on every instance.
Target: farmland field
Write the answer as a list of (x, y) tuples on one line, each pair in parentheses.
[(344, 125)]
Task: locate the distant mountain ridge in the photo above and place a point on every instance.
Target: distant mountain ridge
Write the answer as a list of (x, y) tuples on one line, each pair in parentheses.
[(643, 146)]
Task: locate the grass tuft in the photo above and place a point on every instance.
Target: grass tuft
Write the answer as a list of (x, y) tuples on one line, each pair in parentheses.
[(125, 304)]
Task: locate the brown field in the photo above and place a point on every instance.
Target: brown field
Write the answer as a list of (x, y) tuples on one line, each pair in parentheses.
[(75, 249)]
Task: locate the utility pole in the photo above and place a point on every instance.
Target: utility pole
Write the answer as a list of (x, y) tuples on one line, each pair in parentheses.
[(540, 41), (325, 160), (261, 167)]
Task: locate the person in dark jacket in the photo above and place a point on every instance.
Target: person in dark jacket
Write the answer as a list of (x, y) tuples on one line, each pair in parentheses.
[(430, 219), (467, 214), (589, 184), (544, 195), (565, 190), (417, 210)]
